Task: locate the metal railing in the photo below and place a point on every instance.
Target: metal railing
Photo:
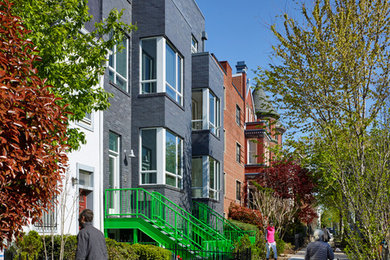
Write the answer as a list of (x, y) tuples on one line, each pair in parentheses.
[(216, 221), (187, 230)]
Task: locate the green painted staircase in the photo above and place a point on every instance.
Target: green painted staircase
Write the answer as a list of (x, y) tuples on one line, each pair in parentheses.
[(162, 220), (217, 222)]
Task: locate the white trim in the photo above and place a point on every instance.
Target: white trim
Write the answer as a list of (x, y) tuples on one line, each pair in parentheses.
[(206, 179), (160, 63), (114, 68), (250, 140)]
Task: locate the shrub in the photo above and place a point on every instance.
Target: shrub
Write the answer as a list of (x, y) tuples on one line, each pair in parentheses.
[(258, 249), (29, 245), (246, 215), (53, 246), (279, 244), (145, 252), (245, 226), (119, 250)]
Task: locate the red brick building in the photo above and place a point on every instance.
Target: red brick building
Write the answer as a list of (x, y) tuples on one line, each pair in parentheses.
[(234, 126), (261, 135), (251, 128)]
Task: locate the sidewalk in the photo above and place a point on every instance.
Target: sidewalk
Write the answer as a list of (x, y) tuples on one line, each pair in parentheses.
[(299, 255)]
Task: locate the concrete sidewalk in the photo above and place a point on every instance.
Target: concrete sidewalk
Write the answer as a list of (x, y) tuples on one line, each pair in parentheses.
[(299, 255)]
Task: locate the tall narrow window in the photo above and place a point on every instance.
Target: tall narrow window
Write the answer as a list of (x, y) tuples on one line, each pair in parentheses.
[(113, 154), (206, 179), (206, 111), (194, 45), (149, 66), (173, 66), (149, 156), (197, 115), (238, 115), (174, 159), (214, 114), (252, 151), (214, 183), (118, 65), (238, 191), (238, 153), (197, 177)]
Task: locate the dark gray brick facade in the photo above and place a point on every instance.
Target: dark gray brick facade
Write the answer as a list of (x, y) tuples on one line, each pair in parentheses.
[(177, 21)]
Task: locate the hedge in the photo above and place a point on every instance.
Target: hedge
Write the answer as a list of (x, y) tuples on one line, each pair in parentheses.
[(32, 245)]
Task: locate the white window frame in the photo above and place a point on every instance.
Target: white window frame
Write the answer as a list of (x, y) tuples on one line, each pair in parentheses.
[(161, 158), (217, 176), (249, 155), (178, 71), (194, 45), (206, 188), (206, 123), (115, 155), (114, 69), (179, 171), (161, 83)]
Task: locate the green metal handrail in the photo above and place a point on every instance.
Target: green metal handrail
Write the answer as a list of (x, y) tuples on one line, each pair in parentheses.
[(216, 221), (169, 217), (215, 231)]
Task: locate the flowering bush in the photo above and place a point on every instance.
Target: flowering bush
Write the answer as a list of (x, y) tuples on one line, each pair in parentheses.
[(245, 215)]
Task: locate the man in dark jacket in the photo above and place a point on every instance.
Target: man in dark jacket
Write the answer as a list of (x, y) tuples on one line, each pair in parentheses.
[(319, 250), (91, 243)]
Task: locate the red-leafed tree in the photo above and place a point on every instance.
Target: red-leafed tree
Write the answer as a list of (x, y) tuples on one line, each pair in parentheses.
[(32, 132), (292, 186)]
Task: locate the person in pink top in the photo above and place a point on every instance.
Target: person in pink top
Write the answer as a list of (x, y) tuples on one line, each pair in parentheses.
[(270, 240)]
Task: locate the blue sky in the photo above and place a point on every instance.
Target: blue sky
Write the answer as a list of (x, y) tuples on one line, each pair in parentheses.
[(240, 30)]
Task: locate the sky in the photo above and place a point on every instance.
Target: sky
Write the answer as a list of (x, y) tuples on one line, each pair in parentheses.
[(240, 30)]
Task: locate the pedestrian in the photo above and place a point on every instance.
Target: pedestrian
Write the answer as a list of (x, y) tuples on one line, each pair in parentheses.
[(270, 240), (91, 243), (319, 249), (326, 233)]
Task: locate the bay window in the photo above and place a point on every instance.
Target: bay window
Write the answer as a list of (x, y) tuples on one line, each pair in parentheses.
[(205, 111), (161, 69), (205, 177), (161, 157)]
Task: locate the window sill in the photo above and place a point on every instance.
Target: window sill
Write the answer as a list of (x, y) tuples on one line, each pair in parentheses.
[(85, 125), (118, 88), (160, 186)]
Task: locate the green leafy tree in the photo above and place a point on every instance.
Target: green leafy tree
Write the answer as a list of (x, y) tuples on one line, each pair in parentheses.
[(73, 59), (332, 83)]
